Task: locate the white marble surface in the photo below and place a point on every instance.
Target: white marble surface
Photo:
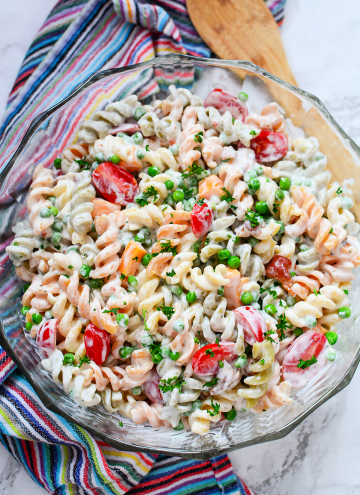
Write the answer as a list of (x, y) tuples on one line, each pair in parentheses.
[(321, 38)]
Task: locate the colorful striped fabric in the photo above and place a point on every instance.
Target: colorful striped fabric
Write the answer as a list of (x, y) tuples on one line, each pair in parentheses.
[(79, 38)]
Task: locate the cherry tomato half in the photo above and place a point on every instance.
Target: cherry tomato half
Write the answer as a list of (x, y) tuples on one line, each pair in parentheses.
[(97, 344), (151, 388), (115, 183), (46, 337), (279, 268), (201, 219), (253, 323), (269, 146), (306, 346), (205, 361), (223, 101)]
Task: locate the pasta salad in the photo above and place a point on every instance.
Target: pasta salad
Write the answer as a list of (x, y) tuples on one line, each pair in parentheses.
[(186, 260)]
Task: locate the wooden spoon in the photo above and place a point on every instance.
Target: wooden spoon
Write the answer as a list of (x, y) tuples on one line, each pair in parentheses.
[(242, 30)]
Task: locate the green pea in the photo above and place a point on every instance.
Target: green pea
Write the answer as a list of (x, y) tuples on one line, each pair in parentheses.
[(241, 362), (179, 325), (344, 312), (140, 154), (36, 318), (189, 205), (279, 195), (28, 326), (221, 364), (230, 415), (26, 286), (25, 310), (310, 321), (57, 226), (191, 297), (133, 281), (303, 248), (307, 183), (251, 174), (66, 218), (115, 159), (270, 309), (85, 270), (192, 181), (146, 339), (48, 315), (153, 171), (100, 157), (330, 355), (174, 355), (221, 291), (261, 207), (178, 196), (96, 283), (169, 185), (254, 184), (165, 351), (45, 212), (55, 238), (259, 170), (285, 183), (157, 357), (252, 241), (243, 97), (247, 298), (224, 254), (57, 163), (139, 237), (298, 331), (125, 352), (139, 112), (196, 405), (282, 226), (169, 200), (136, 390), (122, 320), (331, 337), (146, 259), (180, 426), (176, 290), (290, 300), (69, 358), (297, 181), (52, 199), (138, 138), (73, 248), (174, 149), (233, 262)]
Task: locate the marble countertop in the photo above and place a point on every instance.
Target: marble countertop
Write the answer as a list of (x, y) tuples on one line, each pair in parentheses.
[(321, 38)]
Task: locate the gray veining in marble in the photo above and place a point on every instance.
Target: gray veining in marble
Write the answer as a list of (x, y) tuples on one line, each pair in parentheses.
[(322, 39)]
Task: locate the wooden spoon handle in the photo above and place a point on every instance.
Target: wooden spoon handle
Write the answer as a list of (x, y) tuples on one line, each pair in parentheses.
[(242, 30)]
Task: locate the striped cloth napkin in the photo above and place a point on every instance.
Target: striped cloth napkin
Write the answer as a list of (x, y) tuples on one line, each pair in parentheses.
[(79, 38)]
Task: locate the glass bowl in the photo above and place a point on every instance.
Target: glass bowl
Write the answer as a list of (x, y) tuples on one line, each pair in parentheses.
[(48, 135)]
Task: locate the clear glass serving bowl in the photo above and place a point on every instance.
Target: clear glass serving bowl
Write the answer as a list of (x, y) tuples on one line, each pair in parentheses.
[(45, 139)]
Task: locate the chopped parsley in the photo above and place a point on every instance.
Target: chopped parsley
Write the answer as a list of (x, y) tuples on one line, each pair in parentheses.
[(122, 276), (315, 292), (252, 133), (167, 310), (113, 311), (254, 218), (150, 192), (166, 247), (268, 336), (262, 361), (292, 274), (120, 424), (217, 342), (273, 293), (192, 170), (16, 243), (171, 274), (339, 190), (346, 292), (200, 202), (227, 197), (198, 138), (83, 359), (331, 230), (196, 340), (212, 382), (147, 148), (216, 408), (84, 165), (210, 353), (283, 325), (171, 383), (275, 207), (135, 259), (70, 267), (145, 324), (305, 364)]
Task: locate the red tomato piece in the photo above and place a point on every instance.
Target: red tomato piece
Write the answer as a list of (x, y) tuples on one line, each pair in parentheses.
[(223, 101), (208, 364), (151, 388), (269, 146), (279, 268), (306, 346), (97, 344), (46, 337), (201, 219), (127, 128), (253, 323), (115, 183)]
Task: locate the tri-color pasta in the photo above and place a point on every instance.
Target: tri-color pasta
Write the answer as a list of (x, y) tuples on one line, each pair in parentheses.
[(186, 260)]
